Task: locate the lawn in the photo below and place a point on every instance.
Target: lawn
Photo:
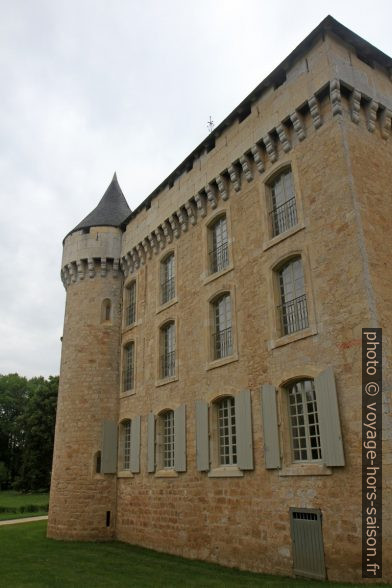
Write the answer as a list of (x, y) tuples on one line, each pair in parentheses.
[(30, 560), (15, 505)]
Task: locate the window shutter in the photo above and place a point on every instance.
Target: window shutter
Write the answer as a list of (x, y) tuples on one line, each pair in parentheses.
[(109, 447), (151, 443), (243, 422), (135, 445), (329, 423), (270, 427), (179, 439), (202, 440)]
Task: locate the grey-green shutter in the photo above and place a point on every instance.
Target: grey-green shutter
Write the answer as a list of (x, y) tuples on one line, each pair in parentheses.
[(109, 447), (270, 427), (243, 423), (202, 438), (135, 445), (151, 443), (329, 422), (180, 439)]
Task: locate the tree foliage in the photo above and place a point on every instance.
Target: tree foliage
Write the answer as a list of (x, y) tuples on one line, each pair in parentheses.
[(27, 420)]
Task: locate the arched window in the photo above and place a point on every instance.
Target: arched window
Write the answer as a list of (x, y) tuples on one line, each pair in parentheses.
[(129, 366), (222, 342), (218, 245), (168, 286), (304, 421), (106, 310), (130, 308), (227, 434), (168, 350), (283, 209), (293, 311)]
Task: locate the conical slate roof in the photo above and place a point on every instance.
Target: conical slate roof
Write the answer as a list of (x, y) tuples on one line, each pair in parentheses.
[(111, 211)]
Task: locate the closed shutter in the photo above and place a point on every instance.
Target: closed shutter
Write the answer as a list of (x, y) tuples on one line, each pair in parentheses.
[(180, 439), (329, 422), (270, 427), (109, 447), (308, 548), (151, 443), (243, 421), (202, 438), (135, 445)]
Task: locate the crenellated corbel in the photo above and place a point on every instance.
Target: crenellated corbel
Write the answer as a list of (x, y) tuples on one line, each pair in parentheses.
[(141, 253), (258, 158), (72, 272), (211, 196), (315, 112), (103, 267), (298, 125), (90, 267), (246, 167), (201, 204), (385, 123), (152, 243), (355, 106), (221, 183), (191, 212), (116, 263), (175, 225), (234, 177), (135, 258), (80, 269), (147, 247), (160, 238), (130, 262), (283, 138), (66, 277), (335, 97), (167, 231), (270, 148), (124, 267), (371, 112), (183, 219)]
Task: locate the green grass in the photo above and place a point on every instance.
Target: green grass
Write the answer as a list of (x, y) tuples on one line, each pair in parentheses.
[(15, 505), (30, 560)]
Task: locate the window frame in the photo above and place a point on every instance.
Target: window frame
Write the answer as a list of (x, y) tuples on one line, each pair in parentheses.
[(212, 361), (132, 283), (163, 264), (306, 424), (209, 276), (124, 446), (125, 345), (294, 310), (161, 377), (288, 212)]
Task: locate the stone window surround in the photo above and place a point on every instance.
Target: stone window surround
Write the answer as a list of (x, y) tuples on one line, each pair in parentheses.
[(121, 472), (160, 471), (223, 210), (216, 469), (127, 283), (159, 306), (211, 363), (159, 381), (131, 338)]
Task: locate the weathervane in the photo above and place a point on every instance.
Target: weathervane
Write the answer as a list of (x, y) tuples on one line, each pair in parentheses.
[(210, 125)]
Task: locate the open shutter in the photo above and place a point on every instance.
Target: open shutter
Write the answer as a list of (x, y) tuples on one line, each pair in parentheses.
[(243, 422), (179, 439), (202, 440), (329, 422), (270, 427), (109, 447), (135, 445), (151, 443)]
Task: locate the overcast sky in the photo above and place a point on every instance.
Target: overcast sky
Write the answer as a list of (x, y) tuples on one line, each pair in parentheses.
[(90, 87)]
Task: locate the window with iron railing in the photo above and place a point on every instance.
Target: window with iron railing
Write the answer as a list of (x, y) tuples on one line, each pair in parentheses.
[(168, 286), (293, 310), (168, 357), (129, 366), (131, 306), (222, 344), (283, 213), (219, 252)]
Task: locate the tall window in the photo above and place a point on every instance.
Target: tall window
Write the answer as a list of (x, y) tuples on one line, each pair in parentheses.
[(168, 439), (130, 316), (129, 366), (106, 310), (168, 287), (168, 346), (293, 308), (219, 250), (304, 425), (227, 432), (283, 213), (126, 440), (222, 336)]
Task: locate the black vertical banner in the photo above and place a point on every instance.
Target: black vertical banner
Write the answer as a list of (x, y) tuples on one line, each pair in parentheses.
[(371, 453)]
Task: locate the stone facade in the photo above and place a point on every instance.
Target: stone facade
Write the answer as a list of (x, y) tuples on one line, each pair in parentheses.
[(323, 118)]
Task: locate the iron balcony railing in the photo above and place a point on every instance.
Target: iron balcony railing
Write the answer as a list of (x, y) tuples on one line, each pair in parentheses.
[(219, 258), (294, 315), (168, 364), (128, 378), (131, 313), (168, 290), (283, 217), (222, 343)]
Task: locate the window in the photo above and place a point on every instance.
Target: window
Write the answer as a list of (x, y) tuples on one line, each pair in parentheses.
[(130, 310), (166, 442), (293, 311), (106, 310), (222, 333), (168, 290), (283, 210), (227, 432), (97, 462), (168, 350), (126, 445), (168, 439), (129, 366), (219, 250), (304, 424)]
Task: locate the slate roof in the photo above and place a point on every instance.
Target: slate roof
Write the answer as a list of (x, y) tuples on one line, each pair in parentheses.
[(111, 210)]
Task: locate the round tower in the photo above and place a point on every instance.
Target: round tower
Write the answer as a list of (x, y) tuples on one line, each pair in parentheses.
[(83, 487)]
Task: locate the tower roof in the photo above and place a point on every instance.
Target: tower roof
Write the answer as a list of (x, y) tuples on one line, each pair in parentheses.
[(111, 210)]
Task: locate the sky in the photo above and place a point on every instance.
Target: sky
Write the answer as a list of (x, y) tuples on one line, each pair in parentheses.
[(90, 87)]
